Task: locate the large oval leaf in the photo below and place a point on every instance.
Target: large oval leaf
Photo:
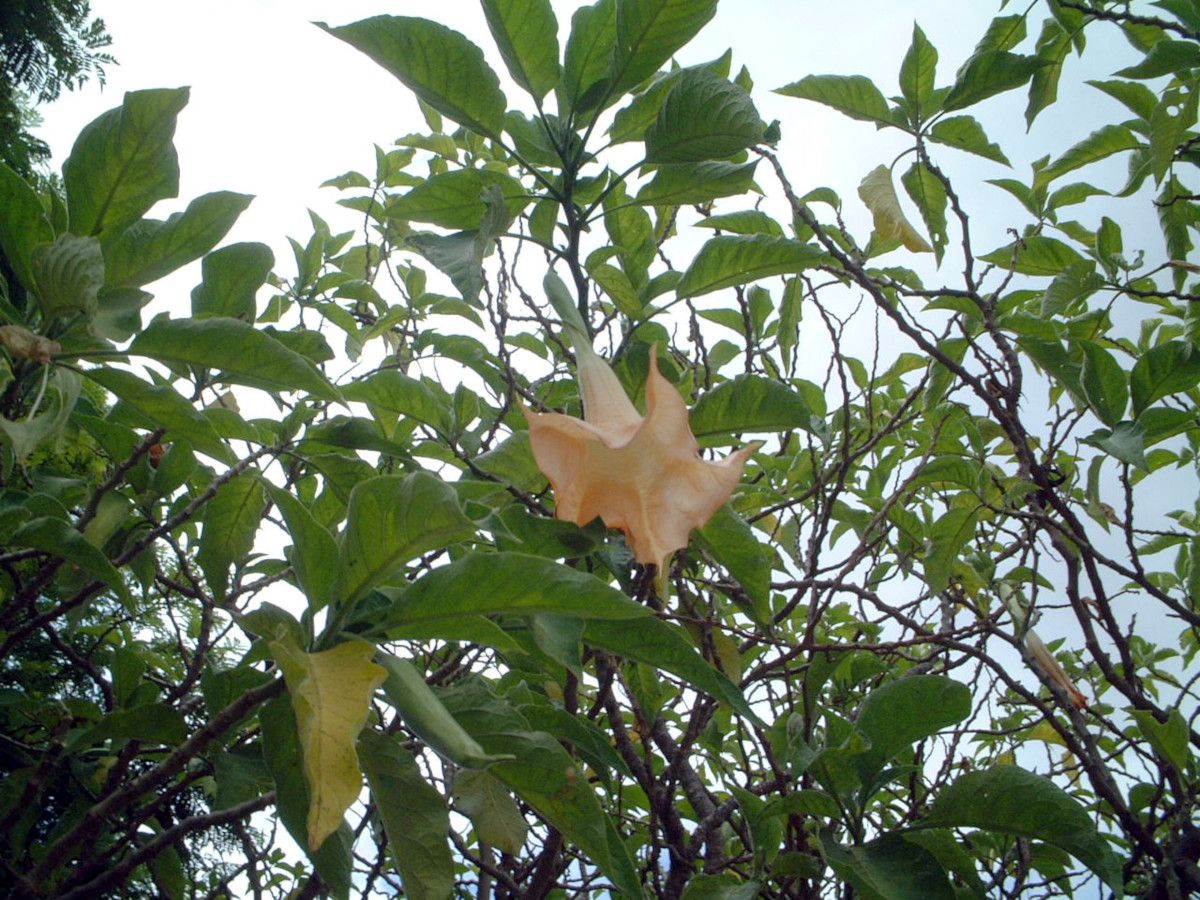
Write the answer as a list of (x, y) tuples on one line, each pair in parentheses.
[(902, 712), (240, 352), (750, 403), (496, 583), (704, 117), (649, 31), (1013, 801), (124, 162), (436, 63), (730, 260), (391, 520), (455, 199), (150, 249), (526, 32)]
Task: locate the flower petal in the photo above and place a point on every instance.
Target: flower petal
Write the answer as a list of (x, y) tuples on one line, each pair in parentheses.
[(605, 404), (644, 476)]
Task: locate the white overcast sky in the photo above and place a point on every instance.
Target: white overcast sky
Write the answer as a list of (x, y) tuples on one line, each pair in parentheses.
[(277, 106)]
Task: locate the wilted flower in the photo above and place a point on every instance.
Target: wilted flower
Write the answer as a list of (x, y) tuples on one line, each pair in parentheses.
[(643, 475), (1053, 669), (24, 344)]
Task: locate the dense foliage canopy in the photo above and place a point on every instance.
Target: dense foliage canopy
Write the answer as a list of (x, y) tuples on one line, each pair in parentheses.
[(45, 45), (285, 610)]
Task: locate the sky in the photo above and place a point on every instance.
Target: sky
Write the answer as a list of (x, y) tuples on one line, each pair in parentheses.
[(277, 106)]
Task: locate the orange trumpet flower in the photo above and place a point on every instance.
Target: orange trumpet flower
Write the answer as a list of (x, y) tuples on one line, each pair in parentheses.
[(641, 474)]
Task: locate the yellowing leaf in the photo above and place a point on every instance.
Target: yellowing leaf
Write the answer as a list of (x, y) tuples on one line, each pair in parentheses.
[(1044, 732), (879, 194), (331, 694)]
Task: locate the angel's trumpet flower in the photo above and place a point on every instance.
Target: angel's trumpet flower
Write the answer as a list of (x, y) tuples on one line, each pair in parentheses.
[(641, 474), (1053, 669)]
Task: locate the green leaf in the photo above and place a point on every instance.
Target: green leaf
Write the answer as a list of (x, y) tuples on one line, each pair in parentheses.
[(649, 32), (27, 434), (631, 231), (1167, 369), (151, 723), (929, 194), (1053, 45), (879, 194), (965, 133), (545, 777), (513, 583), (684, 183), (1176, 217), (704, 117), (484, 799), (391, 395), (456, 199), (69, 274), (23, 223), (1071, 194), (231, 522), (853, 95), (164, 407), (459, 256), (732, 542), (944, 542), (587, 60), (989, 73), (1169, 738), (240, 352), (619, 288), (439, 65), (281, 750), (1126, 442), (664, 646), (427, 717), (314, 555), (631, 121), (1036, 254), (56, 536), (1166, 57), (414, 816), (751, 403), (1101, 143), (1054, 361), (896, 715), (149, 249), (124, 162), (526, 32), (729, 260), (1170, 122), (1137, 98), (889, 868), (1013, 801), (231, 279), (721, 887), (1003, 33), (241, 775), (917, 72), (392, 520), (748, 221), (1105, 384), (1076, 284)]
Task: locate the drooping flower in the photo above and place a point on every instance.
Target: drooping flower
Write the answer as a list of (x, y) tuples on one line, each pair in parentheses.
[(641, 474), (1053, 669)]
